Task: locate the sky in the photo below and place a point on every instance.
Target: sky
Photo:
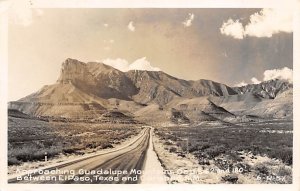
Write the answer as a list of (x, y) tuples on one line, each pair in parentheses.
[(231, 46)]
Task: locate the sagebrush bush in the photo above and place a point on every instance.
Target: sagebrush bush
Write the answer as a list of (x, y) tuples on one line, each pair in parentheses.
[(13, 161), (31, 153), (284, 171), (207, 141), (215, 151), (28, 140), (262, 169), (173, 149)]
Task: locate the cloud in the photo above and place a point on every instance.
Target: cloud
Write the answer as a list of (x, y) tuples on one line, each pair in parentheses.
[(233, 28), (130, 26), (142, 64), (120, 64), (282, 74), (268, 22), (124, 66), (105, 25), (243, 83), (188, 21), (264, 23), (255, 80)]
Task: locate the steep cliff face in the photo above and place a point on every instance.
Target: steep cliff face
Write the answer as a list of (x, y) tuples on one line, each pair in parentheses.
[(73, 71), (97, 79)]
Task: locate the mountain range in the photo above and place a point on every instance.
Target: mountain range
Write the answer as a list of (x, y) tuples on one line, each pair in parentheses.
[(90, 90)]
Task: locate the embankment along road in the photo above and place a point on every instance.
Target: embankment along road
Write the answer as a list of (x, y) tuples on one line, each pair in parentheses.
[(120, 166)]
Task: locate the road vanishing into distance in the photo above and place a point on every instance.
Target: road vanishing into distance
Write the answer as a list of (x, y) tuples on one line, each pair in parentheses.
[(118, 166)]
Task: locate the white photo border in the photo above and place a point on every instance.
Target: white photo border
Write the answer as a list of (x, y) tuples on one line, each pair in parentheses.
[(4, 6)]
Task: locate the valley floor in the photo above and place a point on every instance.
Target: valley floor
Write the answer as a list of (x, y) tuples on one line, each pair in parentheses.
[(29, 141), (208, 155), (245, 153)]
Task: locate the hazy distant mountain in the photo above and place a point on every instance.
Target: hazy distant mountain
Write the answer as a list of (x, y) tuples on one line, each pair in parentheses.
[(280, 107), (267, 89), (90, 89), (272, 99)]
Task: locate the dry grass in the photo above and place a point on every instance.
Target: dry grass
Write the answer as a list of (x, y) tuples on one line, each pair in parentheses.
[(28, 139), (236, 146), (210, 142)]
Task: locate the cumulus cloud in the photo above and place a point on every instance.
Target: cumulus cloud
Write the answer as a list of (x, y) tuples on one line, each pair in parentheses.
[(255, 80), (120, 64), (233, 28), (282, 74), (243, 83), (130, 26), (124, 66), (142, 64), (262, 24), (188, 21)]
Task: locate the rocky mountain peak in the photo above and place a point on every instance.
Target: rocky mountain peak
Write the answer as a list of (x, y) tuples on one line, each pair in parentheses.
[(82, 84), (266, 89), (71, 69)]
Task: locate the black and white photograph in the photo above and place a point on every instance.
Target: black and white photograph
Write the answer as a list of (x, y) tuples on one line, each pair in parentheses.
[(150, 95)]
